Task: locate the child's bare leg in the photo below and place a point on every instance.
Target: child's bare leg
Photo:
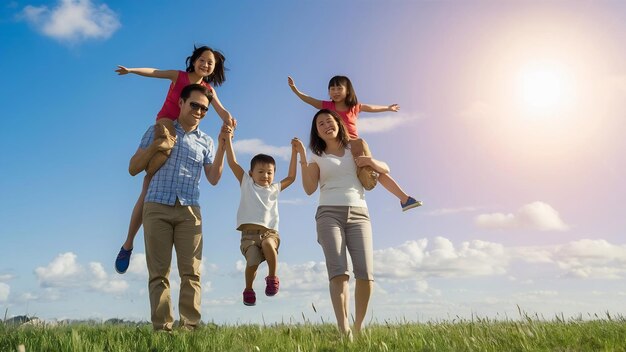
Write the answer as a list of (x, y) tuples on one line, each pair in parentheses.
[(250, 275), (137, 217), (406, 202), (157, 161), (366, 174), (271, 256), (393, 187), (360, 146), (122, 261), (161, 157)]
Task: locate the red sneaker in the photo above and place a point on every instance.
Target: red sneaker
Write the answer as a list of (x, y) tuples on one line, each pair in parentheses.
[(249, 297), (271, 285)]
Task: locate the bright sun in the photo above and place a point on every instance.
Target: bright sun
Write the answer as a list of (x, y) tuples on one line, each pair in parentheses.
[(543, 89)]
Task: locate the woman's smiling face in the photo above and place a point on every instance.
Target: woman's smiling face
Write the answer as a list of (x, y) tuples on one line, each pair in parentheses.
[(327, 127)]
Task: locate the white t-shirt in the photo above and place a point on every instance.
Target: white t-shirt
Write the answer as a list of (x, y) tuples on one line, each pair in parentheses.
[(339, 184), (258, 205)]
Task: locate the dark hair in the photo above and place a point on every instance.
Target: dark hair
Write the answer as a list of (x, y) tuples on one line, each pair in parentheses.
[(317, 144), (186, 92), (262, 159), (336, 81), (217, 77)]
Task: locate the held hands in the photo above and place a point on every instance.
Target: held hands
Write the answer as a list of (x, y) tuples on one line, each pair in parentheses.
[(232, 123), (298, 147), (294, 144), (394, 107), (226, 134), (121, 70)]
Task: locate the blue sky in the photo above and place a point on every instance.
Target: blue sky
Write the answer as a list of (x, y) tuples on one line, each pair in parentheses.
[(509, 131)]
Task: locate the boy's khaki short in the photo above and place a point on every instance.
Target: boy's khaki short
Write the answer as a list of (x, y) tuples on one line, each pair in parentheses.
[(251, 244)]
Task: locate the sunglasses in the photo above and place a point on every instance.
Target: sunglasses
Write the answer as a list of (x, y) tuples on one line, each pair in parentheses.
[(197, 106)]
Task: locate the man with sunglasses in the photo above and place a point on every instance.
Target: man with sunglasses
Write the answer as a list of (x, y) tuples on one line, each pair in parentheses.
[(171, 212)]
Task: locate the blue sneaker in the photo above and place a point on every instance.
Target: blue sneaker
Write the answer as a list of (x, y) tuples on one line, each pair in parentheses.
[(410, 204), (123, 260)]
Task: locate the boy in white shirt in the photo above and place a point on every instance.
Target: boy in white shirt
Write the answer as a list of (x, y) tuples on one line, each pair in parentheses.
[(257, 216)]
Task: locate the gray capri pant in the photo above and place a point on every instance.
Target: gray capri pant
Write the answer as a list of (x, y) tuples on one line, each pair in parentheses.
[(344, 227)]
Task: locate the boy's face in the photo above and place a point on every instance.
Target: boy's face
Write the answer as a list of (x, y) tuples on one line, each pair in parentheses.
[(262, 174)]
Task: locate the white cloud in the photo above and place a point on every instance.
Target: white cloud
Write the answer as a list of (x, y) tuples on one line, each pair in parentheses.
[(208, 268), (220, 302), (62, 271), (256, 146), (415, 259), (400, 262), (240, 266), (423, 259), (138, 265), (27, 296), (99, 280), (536, 295), (309, 276), (383, 123), (73, 20), (534, 254), (207, 287), (448, 211), (6, 277), (592, 259), (50, 294), (537, 216), (581, 259), (5, 290)]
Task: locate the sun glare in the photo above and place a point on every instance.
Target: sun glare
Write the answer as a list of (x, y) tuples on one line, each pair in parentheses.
[(543, 89)]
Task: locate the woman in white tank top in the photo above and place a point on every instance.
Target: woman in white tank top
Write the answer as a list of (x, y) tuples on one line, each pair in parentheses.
[(342, 219)]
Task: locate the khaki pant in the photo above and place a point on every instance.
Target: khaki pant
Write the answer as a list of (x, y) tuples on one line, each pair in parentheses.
[(341, 229), (179, 227), (251, 244)]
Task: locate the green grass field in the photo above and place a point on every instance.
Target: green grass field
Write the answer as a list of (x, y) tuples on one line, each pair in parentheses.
[(527, 334)]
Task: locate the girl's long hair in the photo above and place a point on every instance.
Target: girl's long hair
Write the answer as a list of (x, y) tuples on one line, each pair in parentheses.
[(218, 76), (351, 100), (317, 144)]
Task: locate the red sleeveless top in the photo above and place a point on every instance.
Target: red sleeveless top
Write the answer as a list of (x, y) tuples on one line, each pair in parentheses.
[(170, 109)]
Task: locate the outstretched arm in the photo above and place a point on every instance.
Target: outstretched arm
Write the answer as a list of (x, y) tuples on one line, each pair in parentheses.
[(226, 117), (310, 172), (380, 108), (213, 171), (237, 170), (378, 166), (148, 72), (291, 176), (305, 98)]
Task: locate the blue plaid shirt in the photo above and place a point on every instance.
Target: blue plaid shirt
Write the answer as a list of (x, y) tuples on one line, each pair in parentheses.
[(179, 177)]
